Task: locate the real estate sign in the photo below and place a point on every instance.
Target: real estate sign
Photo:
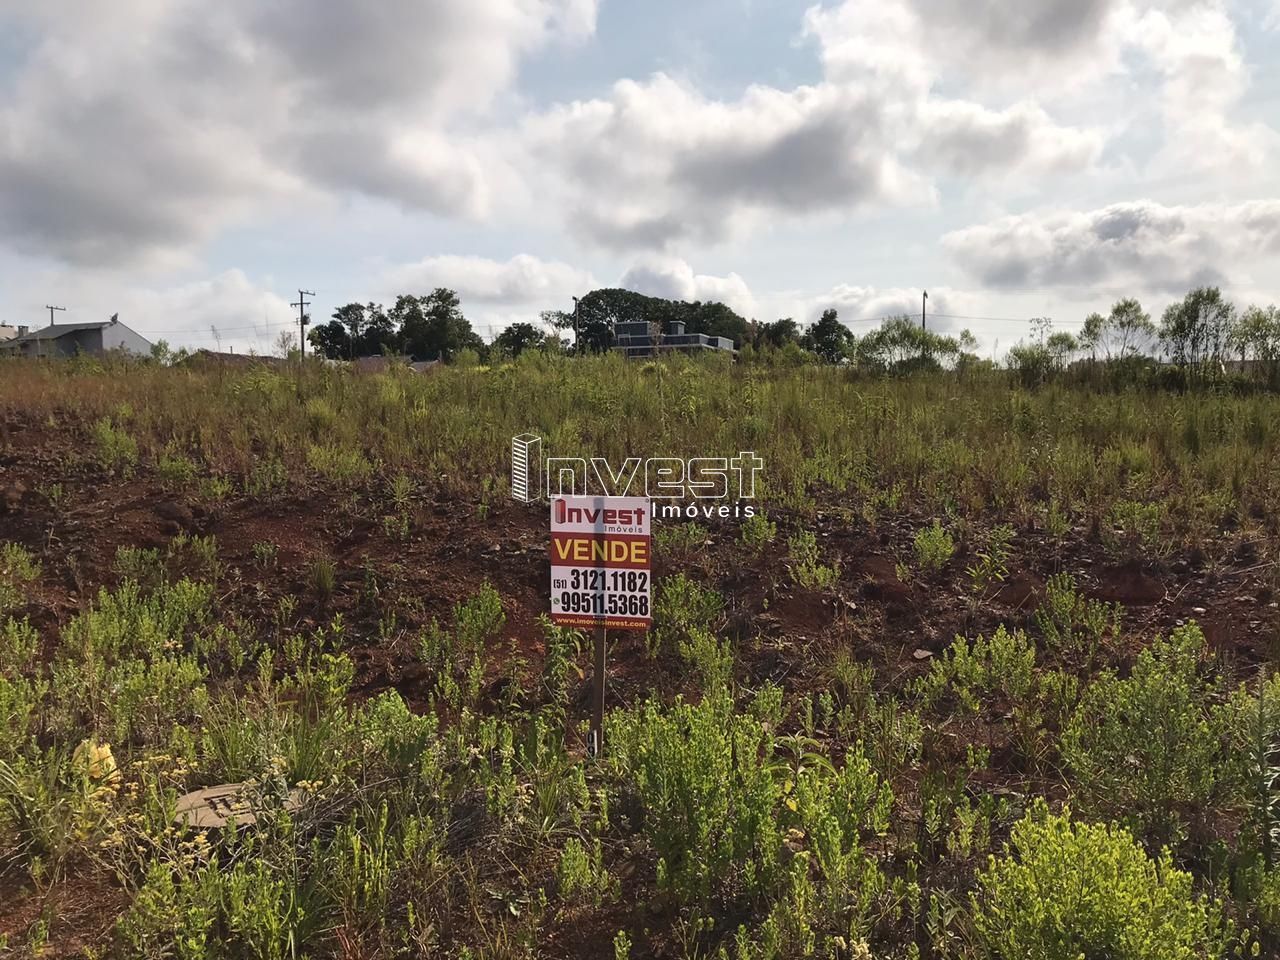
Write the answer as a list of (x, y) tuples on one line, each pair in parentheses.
[(600, 553)]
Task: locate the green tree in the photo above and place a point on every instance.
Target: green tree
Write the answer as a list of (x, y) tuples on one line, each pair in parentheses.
[(712, 318), (1197, 330), (433, 327), (518, 338), (1127, 329), (331, 340), (900, 346), (777, 334), (829, 338), (1257, 336)]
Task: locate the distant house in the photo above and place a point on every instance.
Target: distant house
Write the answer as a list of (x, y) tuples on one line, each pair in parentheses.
[(381, 364), (71, 339), (7, 333), (640, 338)]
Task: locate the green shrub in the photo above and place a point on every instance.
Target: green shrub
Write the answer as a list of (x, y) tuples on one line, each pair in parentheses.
[(176, 470), (680, 540), (582, 874), (1074, 626), (1064, 890), (934, 548), (18, 570), (115, 449), (143, 565), (757, 532), (339, 465), (705, 777), (710, 657), (805, 566), (682, 606), (323, 576), (992, 565), (478, 620), (1145, 750), (1133, 528)]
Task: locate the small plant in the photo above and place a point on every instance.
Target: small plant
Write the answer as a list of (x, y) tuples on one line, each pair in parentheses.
[(582, 875), (145, 566), (216, 488), (200, 552), (478, 620), (711, 658), (401, 491), (18, 570), (1075, 626), (851, 680), (758, 531), (267, 476), (1133, 529), (116, 450), (934, 548), (265, 555), (682, 606), (680, 540), (339, 465), (323, 577), (805, 566), (992, 566), (396, 526), (176, 469)]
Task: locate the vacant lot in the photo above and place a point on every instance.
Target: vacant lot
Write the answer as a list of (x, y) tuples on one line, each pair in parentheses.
[(988, 677)]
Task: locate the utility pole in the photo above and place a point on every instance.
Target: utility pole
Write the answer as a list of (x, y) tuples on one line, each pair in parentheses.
[(302, 305), (923, 303), (575, 326), (50, 309)]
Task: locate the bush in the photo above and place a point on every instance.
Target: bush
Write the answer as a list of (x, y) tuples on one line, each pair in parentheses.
[(757, 532), (1146, 749), (934, 548), (1074, 626), (805, 568), (1065, 890), (18, 570), (116, 450), (704, 777), (683, 607)]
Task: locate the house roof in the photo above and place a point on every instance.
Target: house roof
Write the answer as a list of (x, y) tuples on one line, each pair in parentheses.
[(61, 330)]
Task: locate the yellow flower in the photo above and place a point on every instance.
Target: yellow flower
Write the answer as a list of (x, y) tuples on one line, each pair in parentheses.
[(97, 761)]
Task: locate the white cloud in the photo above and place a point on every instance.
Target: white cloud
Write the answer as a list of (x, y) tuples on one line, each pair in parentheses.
[(657, 163), (1196, 50), (140, 134), (1140, 245), (523, 281), (673, 279)]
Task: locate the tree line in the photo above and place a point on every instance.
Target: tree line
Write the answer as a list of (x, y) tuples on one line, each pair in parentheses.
[(1201, 337)]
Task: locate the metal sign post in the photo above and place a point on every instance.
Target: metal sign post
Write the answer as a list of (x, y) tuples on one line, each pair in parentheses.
[(600, 577), (596, 741)]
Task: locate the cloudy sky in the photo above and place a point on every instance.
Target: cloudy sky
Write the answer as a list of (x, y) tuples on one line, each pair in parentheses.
[(191, 164)]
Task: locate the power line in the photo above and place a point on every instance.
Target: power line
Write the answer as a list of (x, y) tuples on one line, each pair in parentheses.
[(957, 316)]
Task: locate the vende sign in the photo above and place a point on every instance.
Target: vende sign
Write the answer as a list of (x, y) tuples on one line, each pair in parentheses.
[(600, 551)]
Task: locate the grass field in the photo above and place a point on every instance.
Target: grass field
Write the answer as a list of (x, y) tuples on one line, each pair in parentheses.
[(988, 677)]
